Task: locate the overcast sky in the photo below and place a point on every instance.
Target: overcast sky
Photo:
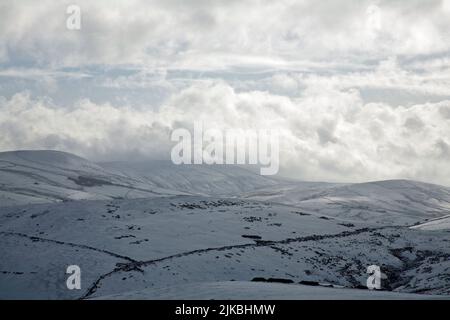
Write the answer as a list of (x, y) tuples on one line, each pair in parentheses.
[(360, 90)]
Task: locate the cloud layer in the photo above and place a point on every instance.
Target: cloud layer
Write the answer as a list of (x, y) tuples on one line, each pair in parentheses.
[(360, 90), (214, 34), (325, 135)]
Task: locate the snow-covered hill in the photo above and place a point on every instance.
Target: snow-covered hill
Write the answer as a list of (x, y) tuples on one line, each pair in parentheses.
[(208, 180), (139, 244), (392, 201), (51, 176), (156, 230)]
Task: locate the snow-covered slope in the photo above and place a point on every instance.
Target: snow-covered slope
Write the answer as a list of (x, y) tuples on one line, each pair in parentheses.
[(435, 224), (139, 244), (392, 201), (210, 180), (51, 176)]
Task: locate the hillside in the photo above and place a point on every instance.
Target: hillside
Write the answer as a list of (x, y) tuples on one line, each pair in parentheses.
[(159, 231)]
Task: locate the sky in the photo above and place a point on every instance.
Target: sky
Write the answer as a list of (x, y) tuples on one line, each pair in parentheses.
[(359, 90)]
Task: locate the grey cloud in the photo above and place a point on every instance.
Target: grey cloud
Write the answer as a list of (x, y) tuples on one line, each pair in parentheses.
[(178, 32)]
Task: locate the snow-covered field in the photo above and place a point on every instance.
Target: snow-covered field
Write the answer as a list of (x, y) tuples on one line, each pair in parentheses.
[(159, 231)]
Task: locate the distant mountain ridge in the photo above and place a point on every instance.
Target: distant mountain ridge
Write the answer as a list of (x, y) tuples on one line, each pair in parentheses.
[(28, 177)]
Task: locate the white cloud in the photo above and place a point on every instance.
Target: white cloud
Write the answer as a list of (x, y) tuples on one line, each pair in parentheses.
[(326, 134), (213, 34), (388, 74)]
